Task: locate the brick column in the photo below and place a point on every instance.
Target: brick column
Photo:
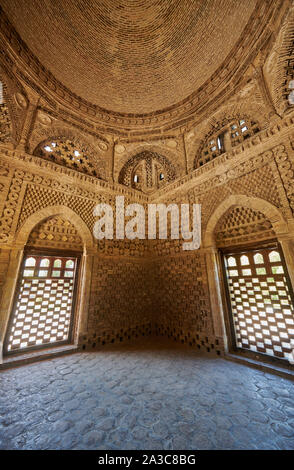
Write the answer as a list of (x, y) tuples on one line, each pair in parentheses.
[(227, 141), (213, 273), (84, 293), (287, 244), (16, 255), (28, 123)]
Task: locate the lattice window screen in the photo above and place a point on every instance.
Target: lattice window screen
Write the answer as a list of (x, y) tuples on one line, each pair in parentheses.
[(238, 130), (261, 304), (70, 154), (43, 308)]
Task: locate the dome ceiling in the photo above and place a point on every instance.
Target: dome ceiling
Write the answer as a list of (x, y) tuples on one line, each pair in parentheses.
[(130, 56)]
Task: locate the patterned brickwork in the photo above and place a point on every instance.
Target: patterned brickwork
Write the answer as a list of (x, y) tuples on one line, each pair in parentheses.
[(57, 233), (145, 287), (259, 183), (138, 135), (38, 197), (182, 297), (11, 203), (223, 137), (165, 247), (151, 72), (4, 261), (173, 296), (280, 65), (119, 296), (133, 248), (114, 335), (201, 342), (155, 54), (70, 154), (147, 171), (5, 123), (12, 107), (286, 169), (241, 224)]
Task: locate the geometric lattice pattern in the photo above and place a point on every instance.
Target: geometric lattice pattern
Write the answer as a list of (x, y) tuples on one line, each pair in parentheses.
[(146, 171), (55, 232), (240, 216), (240, 221), (181, 285), (235, 131), (261, 303), (289, 73), (37, 197), (5, 124), (43, 308), (241, 129), (259, 183), (70, 154)]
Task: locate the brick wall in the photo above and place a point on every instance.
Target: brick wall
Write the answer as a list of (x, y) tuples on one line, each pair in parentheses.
[(120, 302), (4, 261), (181, 308)]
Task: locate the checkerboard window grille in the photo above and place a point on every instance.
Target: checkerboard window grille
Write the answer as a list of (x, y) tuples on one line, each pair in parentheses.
[(261, 303), (42, 313)]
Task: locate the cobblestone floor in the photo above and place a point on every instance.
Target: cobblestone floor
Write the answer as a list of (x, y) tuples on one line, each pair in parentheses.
[(144, 397)]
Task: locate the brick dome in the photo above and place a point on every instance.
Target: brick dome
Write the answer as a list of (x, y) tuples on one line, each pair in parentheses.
[(131, 56)]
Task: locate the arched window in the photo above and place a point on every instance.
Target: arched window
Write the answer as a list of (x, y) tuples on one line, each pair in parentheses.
[(43, 310), (225, 137), (244, 260), (261, 304), (147, 171), (68, 153), (258, 258), (212, 148)]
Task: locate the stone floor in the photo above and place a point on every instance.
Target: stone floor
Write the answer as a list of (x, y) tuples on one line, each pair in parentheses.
[(144, 397)]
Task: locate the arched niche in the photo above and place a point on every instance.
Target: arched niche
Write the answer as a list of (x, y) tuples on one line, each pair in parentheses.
[(258, 211), (223, 135), (240, 225), (73, 152), (23, 240), (147, 171), (270, 212), (65, 212)]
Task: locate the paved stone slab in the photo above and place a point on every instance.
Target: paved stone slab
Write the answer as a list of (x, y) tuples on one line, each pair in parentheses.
[(144, 396)]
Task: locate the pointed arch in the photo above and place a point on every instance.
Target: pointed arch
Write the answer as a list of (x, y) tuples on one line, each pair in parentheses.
[(172, 155), (20, 240), (149, 158), (71, 149), (54, 128), (271, 212), (23, 233)]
